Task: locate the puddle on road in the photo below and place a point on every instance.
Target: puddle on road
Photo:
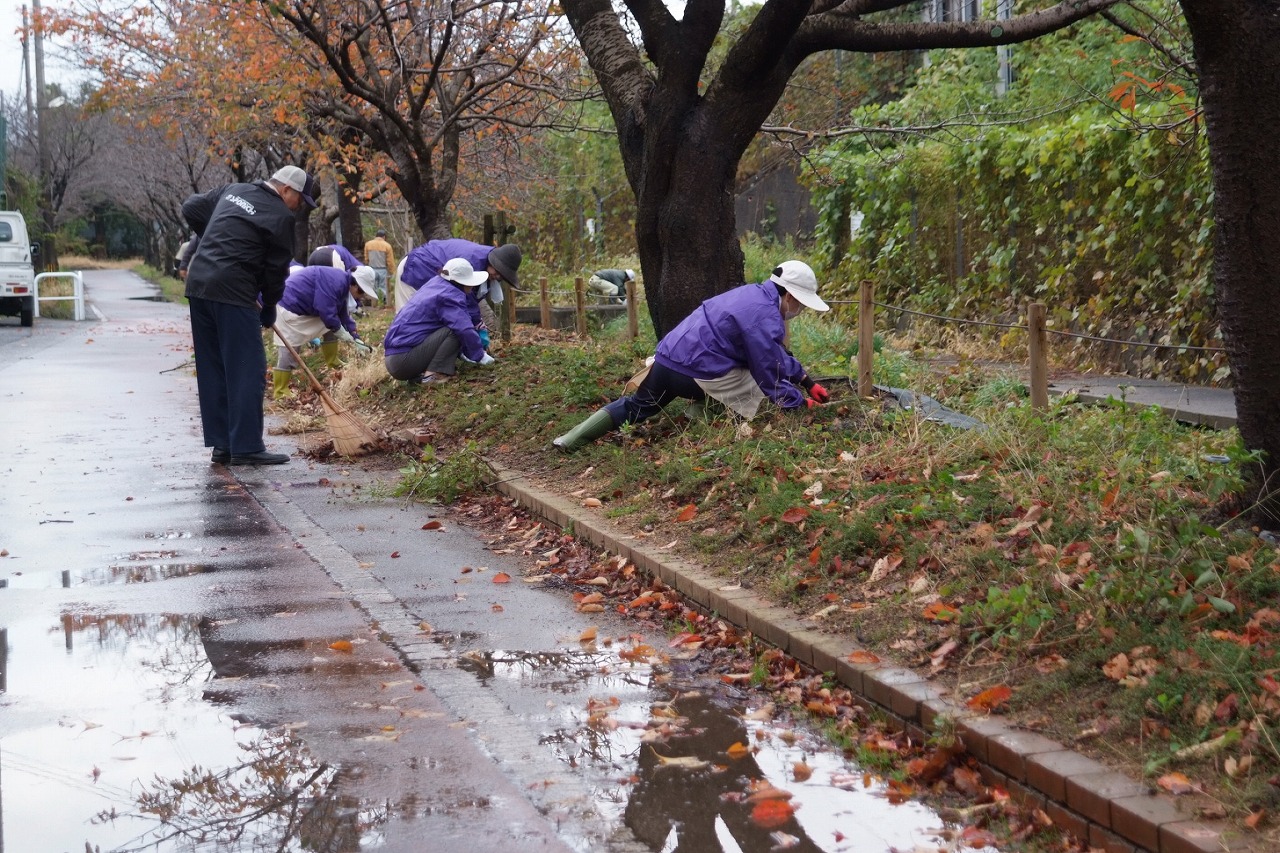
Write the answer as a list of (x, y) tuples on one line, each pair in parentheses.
[(156, 733), (145, 742), (663, 761)]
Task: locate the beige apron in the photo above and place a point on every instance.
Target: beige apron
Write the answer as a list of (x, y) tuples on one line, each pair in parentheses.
[(737, 389)]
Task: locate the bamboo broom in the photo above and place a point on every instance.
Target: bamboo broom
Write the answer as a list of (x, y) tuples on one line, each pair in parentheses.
[(351, 436)]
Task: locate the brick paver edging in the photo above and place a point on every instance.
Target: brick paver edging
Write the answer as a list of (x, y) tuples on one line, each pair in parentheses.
[(1110, 810)]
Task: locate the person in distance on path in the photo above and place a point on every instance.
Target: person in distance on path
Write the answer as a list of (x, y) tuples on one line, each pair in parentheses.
[(611, 284), (731, 348)]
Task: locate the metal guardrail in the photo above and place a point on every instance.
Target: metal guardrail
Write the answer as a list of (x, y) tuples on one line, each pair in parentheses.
[(77, 292)]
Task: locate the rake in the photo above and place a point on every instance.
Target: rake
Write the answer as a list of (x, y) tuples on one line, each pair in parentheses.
[(351, 436)]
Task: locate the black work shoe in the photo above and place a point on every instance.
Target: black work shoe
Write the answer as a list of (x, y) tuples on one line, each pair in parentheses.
[(220, 456), (262, 457)]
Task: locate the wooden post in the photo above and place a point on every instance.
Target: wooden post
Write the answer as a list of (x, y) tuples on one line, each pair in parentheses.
[(509, 319), (580, 295), (633, 318), (866, 339), (1038, 354), (545, 303)]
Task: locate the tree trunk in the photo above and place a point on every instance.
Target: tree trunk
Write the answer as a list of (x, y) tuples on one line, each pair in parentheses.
[(349, 211), (1235, 48), (686, 233)]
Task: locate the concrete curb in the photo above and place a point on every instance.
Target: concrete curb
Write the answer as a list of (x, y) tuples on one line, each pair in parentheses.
[(1108, 809)]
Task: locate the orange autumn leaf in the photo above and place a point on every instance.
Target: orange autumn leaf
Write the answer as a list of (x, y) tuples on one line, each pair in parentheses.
[(1110, 497), (1256, 818), (795, 515), (502, 577), (738, 750), (862, 656), (588, 635), (771, 814), (991, 698), (687, 513), (939, 612), (1176, 783), (432, 525), (815, 555), (801, 771), (341, 645)]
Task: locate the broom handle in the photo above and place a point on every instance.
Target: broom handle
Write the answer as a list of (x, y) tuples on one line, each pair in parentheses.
[(315, 383)]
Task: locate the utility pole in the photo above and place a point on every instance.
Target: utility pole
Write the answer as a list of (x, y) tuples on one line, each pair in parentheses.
[(42, 105), (26, 66)]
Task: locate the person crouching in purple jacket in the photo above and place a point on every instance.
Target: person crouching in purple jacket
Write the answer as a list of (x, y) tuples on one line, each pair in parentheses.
[(730, 349), (434, 327)]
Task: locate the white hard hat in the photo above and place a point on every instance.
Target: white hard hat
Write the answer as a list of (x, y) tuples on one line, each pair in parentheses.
[(631, 275)]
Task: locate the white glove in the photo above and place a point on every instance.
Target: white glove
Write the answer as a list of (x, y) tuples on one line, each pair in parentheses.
[(486, 359), (343, 335), (363, 348)]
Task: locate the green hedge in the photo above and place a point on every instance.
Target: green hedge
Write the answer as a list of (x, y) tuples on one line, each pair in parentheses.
[(1108, 226)]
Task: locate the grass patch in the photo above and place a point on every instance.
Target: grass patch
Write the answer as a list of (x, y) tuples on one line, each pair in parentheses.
[(1089, 558)]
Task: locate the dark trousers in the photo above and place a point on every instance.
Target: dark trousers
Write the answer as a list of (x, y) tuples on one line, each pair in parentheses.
[(231, 367), (659, 388), (438, 353)]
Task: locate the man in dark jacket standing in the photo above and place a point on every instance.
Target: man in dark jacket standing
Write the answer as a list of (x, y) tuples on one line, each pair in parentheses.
[(233, 285)]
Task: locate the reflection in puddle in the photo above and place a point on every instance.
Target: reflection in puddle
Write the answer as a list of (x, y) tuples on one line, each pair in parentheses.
[(147, 762), (685, 774), (118, 574)]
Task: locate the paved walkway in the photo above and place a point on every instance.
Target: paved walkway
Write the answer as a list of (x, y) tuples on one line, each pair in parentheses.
[(1192, 404)]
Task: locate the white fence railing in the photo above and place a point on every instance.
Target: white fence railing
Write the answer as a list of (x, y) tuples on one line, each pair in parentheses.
[(77, 292)]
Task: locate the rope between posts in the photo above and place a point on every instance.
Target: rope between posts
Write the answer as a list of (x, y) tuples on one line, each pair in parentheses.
[(1077, 335)]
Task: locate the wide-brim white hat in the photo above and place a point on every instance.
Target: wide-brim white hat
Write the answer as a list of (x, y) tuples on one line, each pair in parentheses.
[(797, 278), (365, 277), (460, 271)]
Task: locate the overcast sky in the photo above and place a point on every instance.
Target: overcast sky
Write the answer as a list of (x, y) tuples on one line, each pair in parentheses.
[(11, 55)]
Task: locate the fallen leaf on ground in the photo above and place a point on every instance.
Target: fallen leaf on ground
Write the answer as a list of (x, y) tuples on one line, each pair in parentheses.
[(1176, 783), (502, 577), (991, 698), (341, 645)]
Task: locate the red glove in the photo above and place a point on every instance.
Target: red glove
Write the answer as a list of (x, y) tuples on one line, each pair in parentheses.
[(811, 404), (819, 393)]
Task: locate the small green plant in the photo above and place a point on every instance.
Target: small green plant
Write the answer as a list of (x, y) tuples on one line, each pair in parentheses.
[(432, 478)]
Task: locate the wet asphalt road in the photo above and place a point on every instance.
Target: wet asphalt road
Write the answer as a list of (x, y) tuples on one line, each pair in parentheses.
[(167, 649), (155, 618)]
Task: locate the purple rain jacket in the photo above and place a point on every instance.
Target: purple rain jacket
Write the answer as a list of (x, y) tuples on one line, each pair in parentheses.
[(320, 292), (425, 262), (742, 327), (437, 304)]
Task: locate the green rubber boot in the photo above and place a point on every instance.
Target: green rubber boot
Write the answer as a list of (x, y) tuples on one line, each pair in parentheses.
[(329, 349), (589, 430), (280, 380)]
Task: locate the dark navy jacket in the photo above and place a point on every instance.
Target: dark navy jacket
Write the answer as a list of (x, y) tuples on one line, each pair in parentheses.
[(246, 243)]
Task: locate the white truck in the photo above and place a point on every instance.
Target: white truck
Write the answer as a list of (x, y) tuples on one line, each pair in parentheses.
[(17, 268)]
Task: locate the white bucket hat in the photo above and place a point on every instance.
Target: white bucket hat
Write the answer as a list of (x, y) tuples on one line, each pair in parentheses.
[(798, 279), (459, 271), (365, 277)]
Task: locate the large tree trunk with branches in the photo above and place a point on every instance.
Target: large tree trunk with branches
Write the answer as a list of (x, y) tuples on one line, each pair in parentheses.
[(683, 127), (1235, 44)]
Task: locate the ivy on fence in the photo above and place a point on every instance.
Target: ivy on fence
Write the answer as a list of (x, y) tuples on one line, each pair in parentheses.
[(1108, 226)]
